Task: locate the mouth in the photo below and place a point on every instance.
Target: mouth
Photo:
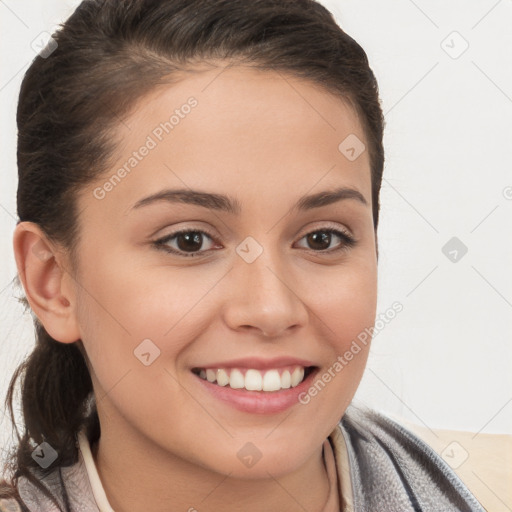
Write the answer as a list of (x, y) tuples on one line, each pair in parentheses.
[(250, 379)]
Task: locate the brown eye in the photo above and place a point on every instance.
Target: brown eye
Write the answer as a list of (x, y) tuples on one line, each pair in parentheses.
[(321, 239), (188, 242)]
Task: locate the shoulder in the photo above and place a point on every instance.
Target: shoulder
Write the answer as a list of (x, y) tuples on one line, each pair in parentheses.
[(392, 465)]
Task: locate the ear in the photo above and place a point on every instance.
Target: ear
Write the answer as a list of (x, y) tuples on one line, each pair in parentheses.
[(43, 271)]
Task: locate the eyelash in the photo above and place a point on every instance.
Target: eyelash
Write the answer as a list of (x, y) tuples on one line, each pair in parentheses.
[(348, 241)]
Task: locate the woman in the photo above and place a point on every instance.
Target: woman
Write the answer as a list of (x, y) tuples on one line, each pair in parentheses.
[(198, 206)]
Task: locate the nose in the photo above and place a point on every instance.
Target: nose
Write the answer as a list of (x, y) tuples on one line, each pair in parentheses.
[(264, 298)]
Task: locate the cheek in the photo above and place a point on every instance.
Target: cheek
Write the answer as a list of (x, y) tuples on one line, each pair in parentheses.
[(133, 361), (132, 303), (345, 314), (134, 325), (348, 304)]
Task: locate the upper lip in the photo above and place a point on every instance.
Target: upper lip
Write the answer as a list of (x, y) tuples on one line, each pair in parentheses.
[(258, 363)]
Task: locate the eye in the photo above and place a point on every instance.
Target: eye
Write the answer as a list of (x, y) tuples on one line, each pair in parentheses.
[(320, 239), (188, 242)]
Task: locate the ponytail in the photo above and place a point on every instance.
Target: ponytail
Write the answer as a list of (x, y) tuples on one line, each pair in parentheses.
[(57, 401)]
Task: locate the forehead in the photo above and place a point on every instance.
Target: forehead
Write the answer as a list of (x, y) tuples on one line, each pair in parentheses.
[(250, 131)]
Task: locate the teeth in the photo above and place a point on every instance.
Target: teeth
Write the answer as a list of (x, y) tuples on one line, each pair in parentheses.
[(254, 380), (271, 381), (236, 379), (297, 376), (222, 377), (286, 380)]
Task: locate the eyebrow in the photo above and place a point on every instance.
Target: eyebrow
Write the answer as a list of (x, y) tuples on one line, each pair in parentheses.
[(231, 205)]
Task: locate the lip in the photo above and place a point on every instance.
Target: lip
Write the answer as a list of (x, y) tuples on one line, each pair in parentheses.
[(258, 363), (258, 402)]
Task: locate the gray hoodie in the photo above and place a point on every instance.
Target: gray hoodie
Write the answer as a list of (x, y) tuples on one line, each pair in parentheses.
[(391, 470)]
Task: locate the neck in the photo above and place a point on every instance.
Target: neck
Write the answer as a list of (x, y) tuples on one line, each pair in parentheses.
[(137, 476)]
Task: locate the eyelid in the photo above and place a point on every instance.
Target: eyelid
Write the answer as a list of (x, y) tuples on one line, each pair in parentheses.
[(328, 225), (348, 240), (161, 242), (346, 237)]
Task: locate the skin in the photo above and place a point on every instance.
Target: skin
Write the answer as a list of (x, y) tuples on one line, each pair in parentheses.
[(264, 138)]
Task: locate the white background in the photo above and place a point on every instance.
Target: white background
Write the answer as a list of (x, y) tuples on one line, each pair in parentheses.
[(445, 360)]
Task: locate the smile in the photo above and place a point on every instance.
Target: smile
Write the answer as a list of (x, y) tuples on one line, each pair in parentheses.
[(251, 379)]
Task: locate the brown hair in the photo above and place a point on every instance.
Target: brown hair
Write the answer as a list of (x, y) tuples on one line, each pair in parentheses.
[(110, 53)]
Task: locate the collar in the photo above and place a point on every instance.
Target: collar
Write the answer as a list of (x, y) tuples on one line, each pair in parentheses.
[(84, 489), (94, 478)]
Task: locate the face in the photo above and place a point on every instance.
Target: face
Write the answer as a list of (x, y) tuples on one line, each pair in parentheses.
[(264, 280)]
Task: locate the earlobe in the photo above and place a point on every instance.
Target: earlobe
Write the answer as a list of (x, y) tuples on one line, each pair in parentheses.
[(43, 275)]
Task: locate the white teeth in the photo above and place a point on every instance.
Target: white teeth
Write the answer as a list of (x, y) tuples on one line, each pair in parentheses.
[(271, 381), (222, 377), (254, 380), (297, 376), (286, 380), (236, 379)]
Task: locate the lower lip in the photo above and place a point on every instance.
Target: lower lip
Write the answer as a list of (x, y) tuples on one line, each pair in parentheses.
[(258, 402)]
